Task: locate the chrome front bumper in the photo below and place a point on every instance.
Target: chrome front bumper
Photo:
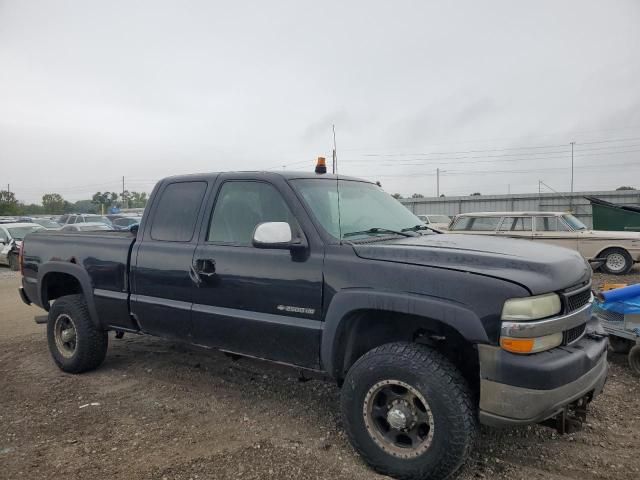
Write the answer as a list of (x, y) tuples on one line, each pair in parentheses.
[(547, 326)]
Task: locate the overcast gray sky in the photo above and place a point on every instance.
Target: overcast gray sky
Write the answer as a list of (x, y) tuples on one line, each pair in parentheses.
[(491, 92)]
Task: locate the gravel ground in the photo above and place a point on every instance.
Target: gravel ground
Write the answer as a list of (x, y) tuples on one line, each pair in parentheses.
[(160, 410)]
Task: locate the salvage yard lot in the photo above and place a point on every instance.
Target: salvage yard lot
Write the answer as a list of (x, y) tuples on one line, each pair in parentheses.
[(158, 409)]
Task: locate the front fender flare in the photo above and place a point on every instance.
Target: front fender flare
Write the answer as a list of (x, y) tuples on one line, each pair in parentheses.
[(455, 315), (79, 274)]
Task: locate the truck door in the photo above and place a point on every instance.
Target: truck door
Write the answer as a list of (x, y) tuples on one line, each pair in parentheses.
[(161, 282), (260, 302)]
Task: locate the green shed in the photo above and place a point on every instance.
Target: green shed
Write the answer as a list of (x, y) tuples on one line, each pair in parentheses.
[(609, 216)]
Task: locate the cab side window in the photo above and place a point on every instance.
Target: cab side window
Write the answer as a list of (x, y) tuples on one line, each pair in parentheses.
[(516, 224), (4, 238), (550, 224), (241, 206), (177, 212), (477, 224)]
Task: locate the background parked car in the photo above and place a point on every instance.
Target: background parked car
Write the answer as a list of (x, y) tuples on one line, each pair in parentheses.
[(86, 227), (441, 222), (47, 223), (71, 219), (614, 252), (124, 222), (11, 236)]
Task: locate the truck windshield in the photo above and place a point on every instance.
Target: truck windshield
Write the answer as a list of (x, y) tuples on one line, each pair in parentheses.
[(18, 233), (574, 222), (365, 209)]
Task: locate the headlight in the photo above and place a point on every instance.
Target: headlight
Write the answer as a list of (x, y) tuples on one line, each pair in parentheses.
[(531, 345), (531, 308)]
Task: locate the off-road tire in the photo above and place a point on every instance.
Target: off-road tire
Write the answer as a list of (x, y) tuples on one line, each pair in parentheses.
[(634, 360), (13, 262), (620, 345), (444, 388), (91, 342), (619, 252)]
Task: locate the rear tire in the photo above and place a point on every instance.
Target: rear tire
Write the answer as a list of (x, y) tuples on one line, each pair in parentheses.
[(13, 262), (75, 343), (634, 360), (617, 261), (620, 345), (425, 424)]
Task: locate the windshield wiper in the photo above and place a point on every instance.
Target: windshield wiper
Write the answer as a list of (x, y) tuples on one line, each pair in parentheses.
[(378, 230), (415, 228)]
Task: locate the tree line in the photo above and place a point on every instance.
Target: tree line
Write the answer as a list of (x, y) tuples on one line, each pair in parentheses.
[(55, 204)]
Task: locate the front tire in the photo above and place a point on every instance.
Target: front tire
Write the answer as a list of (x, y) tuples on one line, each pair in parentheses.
[(620, 345), (75, 343), (634, 360), (617, 261), (409, 412)]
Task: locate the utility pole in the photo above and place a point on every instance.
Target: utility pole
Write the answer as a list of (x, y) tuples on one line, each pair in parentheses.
[(571, 200), (437, 182), (123, 192)]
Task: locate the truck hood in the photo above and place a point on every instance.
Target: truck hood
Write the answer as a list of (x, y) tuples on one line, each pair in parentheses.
[(538, 267)]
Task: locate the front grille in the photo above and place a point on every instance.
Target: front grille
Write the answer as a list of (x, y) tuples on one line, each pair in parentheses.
[(578, 300), (573, 334)]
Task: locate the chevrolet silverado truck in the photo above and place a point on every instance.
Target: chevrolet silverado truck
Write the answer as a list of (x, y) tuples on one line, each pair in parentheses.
[(427, 334)]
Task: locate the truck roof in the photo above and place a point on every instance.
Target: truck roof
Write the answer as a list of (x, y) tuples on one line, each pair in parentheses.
[(288, 175)]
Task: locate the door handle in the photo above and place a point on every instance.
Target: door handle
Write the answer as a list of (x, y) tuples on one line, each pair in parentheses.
[(205, 267)]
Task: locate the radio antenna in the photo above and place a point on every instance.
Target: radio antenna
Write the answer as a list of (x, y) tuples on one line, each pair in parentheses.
[(335, 172), (335, 151)]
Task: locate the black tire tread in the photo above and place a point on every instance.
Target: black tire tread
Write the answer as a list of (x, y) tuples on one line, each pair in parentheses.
[(634, 360), (462, 438), (620, 345), (93, 341)]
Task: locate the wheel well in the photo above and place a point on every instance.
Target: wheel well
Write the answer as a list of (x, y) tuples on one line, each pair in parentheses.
[(364, 330), (612, 248), (57, 284)]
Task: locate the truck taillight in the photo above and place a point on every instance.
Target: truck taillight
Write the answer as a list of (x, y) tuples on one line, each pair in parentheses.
[(21, 258)]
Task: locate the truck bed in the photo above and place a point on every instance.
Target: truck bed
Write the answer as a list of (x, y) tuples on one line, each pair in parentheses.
[(103, 255)]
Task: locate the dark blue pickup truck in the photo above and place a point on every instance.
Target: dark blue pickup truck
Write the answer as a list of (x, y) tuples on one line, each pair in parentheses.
[(428, 334)]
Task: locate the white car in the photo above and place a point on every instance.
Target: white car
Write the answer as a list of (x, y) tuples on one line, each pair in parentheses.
[(439, 222), (86, 227), (11, 236), (614, 252)]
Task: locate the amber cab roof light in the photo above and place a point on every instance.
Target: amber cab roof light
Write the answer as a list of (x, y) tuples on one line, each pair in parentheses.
[(321, 165)]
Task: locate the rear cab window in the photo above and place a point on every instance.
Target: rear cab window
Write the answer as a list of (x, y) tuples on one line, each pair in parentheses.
[(177, 211)]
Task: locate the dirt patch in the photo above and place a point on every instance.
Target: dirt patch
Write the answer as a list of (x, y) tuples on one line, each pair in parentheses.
[(159, 410)]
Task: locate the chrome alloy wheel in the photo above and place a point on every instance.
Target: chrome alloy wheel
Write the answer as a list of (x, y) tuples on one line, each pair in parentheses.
[(616, 262), (398, 418), (64, 332)]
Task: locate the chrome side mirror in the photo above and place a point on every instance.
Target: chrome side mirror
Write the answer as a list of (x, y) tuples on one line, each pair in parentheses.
[(272, 235)]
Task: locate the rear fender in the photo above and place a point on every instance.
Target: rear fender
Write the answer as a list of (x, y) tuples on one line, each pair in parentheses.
[(76, 271)]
